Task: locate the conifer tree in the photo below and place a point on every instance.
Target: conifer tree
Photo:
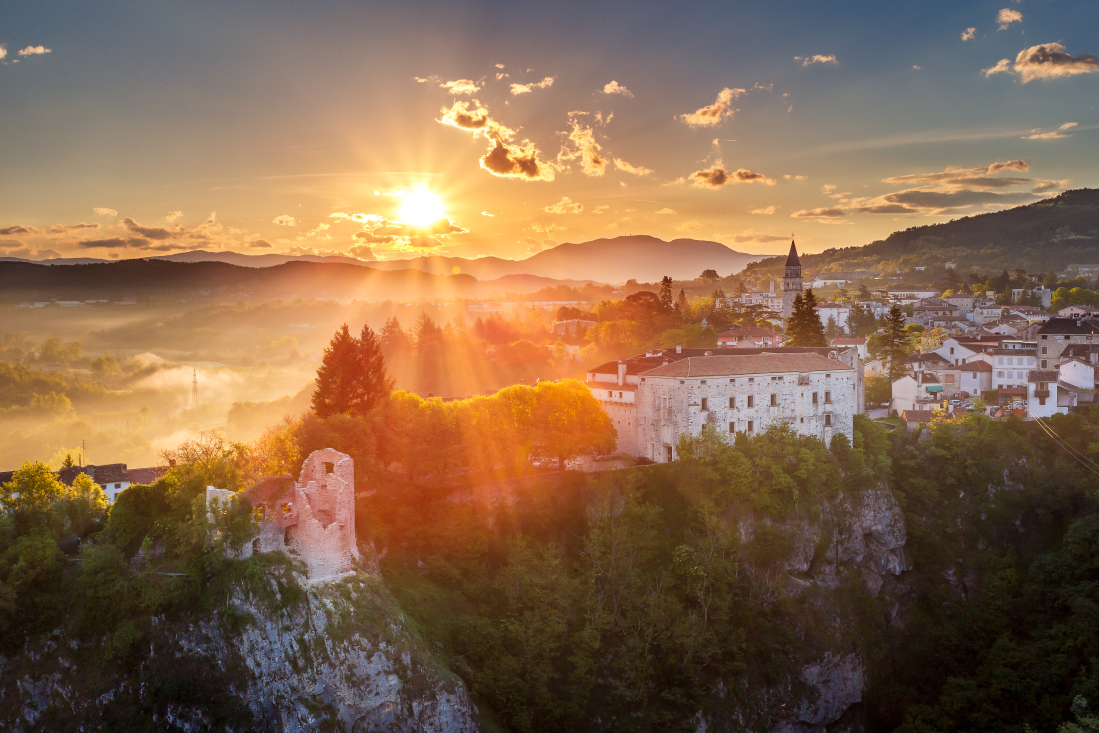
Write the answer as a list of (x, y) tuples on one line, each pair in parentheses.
[(895, 343), (352, 378), (666, 294), (804, 327), (374, 383)]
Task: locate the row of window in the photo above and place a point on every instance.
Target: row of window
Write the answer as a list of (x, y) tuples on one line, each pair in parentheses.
[(752, 401), (752, 426), (1027, 361)]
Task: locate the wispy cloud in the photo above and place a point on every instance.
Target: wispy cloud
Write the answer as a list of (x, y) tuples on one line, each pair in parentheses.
[(631, 169), (462, 86), (969, 34), (104, 211), (1006, 17), (766, 211), (714, 114), (67, 228), (173, 215), (18, 230), (34, 51), (615, 88), (564, 206), (285, 220), (666, 212), (829, 212), (582, 145), (517, 89), (817, 59)]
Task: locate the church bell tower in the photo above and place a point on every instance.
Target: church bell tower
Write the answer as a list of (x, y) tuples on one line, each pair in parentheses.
[(791, 282)]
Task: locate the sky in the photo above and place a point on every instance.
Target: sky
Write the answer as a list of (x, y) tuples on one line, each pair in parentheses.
[(390, 130)]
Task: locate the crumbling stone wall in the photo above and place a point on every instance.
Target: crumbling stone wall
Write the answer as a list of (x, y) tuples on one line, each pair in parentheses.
[(313, 517)]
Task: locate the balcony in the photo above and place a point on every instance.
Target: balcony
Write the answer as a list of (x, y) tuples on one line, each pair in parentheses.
[(1041, 393)]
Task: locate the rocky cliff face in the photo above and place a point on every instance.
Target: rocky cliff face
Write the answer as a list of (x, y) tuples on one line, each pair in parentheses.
[(852, 543), (337, 657)]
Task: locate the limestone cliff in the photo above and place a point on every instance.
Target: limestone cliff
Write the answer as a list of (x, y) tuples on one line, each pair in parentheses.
[(334, 656)]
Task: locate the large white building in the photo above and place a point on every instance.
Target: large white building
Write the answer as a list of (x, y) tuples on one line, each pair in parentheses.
[(655, 399)]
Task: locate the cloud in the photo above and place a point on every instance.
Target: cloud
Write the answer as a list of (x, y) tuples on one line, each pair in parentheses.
[(666, 212), (887, 209), (517, 89), (1045, 186), (584, 147), (19, 229), (114, 243), (261, 244), (535, 246), (969, 34), (362, 252), (1007, 16), (822, 213), (442, 227), (954, 177), (689, 226), (173, 215), (285, 220), (631, 169), (461, 86), (714, 114), (564, 206), (600, 209), (370, 220), (34, 51), (718, 175), (3, 51), (750, 236), (485, 213), (66, 228), (817, 59), (547, 229), (103, 211), (1011, 165), (1003, 66), (154, 233), (1067, 125), (499, 66), (504, 158), (767, 211), (11, 244), (616, 88), (1045, 61), (1036, 135)]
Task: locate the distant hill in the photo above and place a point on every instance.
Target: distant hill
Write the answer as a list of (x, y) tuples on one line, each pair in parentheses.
[(1038, 237), (635, 257), (158, 279)]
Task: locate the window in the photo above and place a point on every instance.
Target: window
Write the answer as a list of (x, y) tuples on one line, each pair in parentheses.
[(803, 420), (999, 375), (329, 467), (828, 420), (732, 428), (732, 402), (814, 398), (1044, 348), (118, 486), (705, 404), (750, 426), (1000, 362), (1009, 361), (827, 398), (1043, 363), (774, 400), (751, 379), (751, 402)]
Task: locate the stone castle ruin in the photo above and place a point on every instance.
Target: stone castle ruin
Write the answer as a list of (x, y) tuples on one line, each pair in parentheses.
[(312, 518)]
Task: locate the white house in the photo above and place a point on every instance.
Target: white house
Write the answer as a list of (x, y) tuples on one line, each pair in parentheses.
[(1010, 367), (838, 311), (954, 351), (916, 391), (986, 313), (976, 377), (857, 343), (899, 292), (749, 337), (1042, 393), (1078, 373)]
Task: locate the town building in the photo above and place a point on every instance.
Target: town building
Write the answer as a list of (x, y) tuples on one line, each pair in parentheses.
[(964, 303), (1058, 333), (859, 344), (1043, 395), (914, 419), (748, 337), (634, 391), (1079, 311), (917, 391), (917, 293), (572, 327), (1078, 373), (838, 312), (975, 377)]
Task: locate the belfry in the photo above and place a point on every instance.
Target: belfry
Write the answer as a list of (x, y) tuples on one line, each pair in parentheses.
[(791, 281)]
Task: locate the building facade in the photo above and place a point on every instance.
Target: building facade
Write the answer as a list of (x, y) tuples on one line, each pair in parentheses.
[(792, 283)]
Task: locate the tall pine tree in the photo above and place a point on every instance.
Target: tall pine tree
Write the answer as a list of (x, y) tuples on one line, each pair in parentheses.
[(804, 328), (896, 343), (352, 378)]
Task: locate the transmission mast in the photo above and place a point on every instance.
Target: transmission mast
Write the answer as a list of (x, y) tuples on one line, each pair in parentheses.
[(194, 390)]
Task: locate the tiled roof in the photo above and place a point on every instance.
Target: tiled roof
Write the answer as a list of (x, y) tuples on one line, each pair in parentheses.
[(68, 475), (929, 358), (1069, 326), (917, 415), (146, 475), (975, 366), (764, 363), (109, 473), (747, 331), (848, 342)]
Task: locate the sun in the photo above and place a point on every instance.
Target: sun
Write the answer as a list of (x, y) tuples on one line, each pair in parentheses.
[(421, 208)]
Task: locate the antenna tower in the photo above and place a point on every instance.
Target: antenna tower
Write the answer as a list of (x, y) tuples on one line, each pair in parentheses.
[(194, 390)]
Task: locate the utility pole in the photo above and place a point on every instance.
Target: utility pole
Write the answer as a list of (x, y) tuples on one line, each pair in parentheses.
[(194, 390)]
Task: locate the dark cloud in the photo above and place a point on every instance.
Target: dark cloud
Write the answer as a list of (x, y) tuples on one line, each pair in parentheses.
[(261, 244), (362, 252), (750, 237), (442, 227), (1044, 186), (157, 233), (954, 199), (66, 228), (718, 175), (11, 244), (1014, 165), (505, 158), (713, 114), (1051, 61), (19, 229), (887, 209)]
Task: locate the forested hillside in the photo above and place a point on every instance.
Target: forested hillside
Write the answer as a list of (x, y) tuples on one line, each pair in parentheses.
[(1045, 235)]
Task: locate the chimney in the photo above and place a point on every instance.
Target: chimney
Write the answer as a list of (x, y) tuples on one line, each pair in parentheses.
[(678, 348), (621, 372)]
